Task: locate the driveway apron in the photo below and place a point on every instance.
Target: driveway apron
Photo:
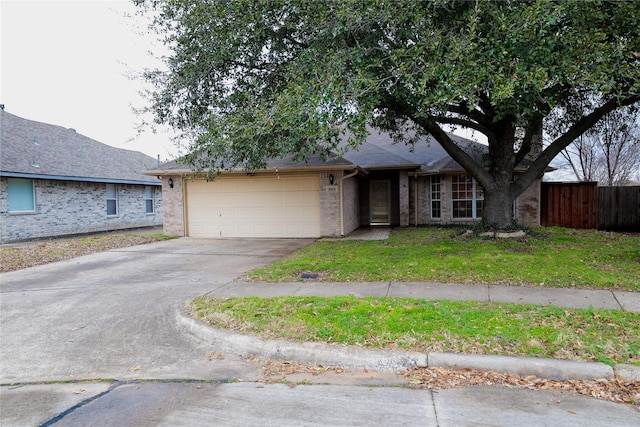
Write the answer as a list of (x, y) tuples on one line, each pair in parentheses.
[(112, 314)]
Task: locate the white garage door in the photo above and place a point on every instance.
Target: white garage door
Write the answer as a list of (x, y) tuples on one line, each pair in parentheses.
[(250, 206)]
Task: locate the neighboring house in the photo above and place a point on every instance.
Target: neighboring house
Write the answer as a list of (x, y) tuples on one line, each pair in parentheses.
[(55, 182), (382, 183)]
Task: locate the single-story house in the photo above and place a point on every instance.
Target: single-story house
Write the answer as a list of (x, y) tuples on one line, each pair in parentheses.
[(381, 183), (55, 181)]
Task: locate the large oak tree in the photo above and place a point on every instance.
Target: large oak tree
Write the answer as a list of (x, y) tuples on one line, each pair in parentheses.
[(250, 80)]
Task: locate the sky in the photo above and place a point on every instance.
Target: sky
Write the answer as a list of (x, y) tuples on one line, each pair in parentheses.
[(70, 63)]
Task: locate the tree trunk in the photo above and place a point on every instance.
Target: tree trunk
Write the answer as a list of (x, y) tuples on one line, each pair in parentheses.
[(498, 209), (498, 199)]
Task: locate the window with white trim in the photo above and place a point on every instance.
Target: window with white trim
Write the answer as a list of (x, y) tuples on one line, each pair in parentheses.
[(112, 200), (467, 197), (436, 205), (21, 194), (149, 199)]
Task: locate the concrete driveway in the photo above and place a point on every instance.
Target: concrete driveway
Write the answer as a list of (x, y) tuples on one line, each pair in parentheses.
[(112, 314)]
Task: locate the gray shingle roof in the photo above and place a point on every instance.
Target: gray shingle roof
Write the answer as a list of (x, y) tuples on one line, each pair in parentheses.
[(315, 161), (30, 148), (379, 151)]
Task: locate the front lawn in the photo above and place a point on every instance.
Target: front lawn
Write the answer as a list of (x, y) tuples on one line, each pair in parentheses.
[(46, 251), (553, 257), (609, 336)]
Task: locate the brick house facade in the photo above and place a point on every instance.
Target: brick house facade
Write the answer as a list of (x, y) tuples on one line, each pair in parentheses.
[(382, 183), (56, 182)]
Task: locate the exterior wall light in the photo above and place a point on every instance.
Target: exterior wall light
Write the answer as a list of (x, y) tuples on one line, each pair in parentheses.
[(331, 179), (170, 182)]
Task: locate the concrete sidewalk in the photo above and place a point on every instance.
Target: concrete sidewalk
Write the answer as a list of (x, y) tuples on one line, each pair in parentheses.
[(353, 357), (559, 297)]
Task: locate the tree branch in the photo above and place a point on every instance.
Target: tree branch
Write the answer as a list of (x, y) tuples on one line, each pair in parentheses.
[(462, 122), (464, 110), (534, 129), (580, 127), (430, 125)]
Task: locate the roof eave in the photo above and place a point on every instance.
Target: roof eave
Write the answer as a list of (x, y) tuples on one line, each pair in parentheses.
[(391, 167), (76, 178), (167, 172)]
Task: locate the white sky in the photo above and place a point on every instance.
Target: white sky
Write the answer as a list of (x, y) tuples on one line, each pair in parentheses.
[(69, 63)]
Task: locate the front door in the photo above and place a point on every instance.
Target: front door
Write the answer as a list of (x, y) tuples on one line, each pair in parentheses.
[(379, 193)]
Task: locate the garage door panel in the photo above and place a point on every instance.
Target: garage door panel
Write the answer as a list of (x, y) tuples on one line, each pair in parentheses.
[(245, 202), (254, 207)]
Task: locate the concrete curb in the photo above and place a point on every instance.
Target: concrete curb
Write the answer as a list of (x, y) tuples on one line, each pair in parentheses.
[(349, 357), (352, 357), (553, 369)]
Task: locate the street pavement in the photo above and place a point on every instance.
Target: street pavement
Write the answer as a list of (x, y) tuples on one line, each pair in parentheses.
[(103, 340)]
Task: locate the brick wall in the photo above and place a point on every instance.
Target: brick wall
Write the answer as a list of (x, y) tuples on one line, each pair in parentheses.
[(420, 197), (527, 206), (70, 207), (173, 206), (330, 204), (403, 190), (351, 206)]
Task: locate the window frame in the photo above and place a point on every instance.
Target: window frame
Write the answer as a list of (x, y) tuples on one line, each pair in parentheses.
[(113, 199), (472, 195), (435, 197), (149, 190), (23, 181)]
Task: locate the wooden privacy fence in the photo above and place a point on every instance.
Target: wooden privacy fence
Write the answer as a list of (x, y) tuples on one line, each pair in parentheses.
[(572, 205), (619, 208), (585, 205)]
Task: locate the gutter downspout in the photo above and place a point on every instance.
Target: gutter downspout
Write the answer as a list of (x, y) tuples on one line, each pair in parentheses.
[(341, 196)]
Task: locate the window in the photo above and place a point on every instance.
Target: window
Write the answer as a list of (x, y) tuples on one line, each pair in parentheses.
[(112, 200), (148, 197), (467, 197), (21, 195), (435, 197)]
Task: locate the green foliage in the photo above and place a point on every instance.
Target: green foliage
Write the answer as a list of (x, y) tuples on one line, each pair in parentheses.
[(552, 257), (608, 336), (252, 80), (162, 236)]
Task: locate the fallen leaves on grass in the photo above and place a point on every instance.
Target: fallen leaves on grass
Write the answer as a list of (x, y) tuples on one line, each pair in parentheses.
[(12, 259)]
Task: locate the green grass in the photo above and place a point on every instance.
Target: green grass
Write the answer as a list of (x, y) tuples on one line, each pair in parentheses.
[(552, 257), (607, 336), (162, 236)]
